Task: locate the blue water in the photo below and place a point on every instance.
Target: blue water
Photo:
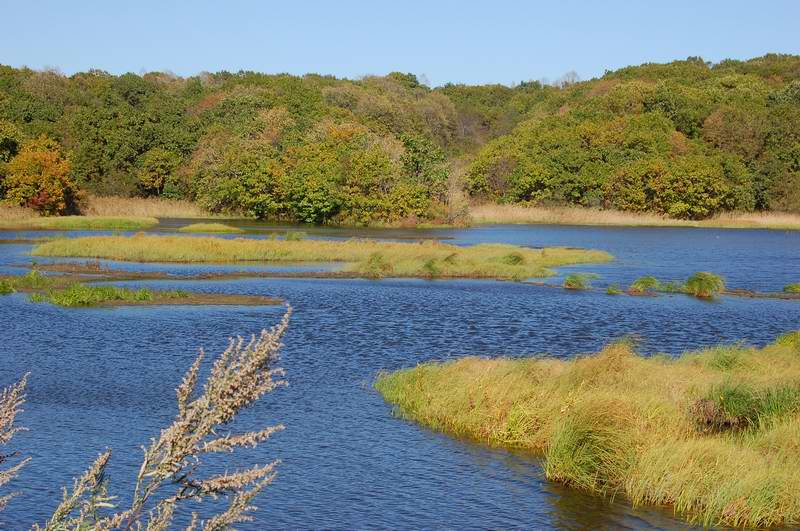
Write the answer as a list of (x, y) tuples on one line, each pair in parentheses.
[(105, 377)]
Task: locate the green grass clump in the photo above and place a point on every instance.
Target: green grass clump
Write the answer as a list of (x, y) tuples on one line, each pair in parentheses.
[(80, 223), (579, 281), (713, 433), (33, 279), (792, 288), (613, 289), (6, 288), (295, 236), (377, 266), (645, 284), (78, 295), (429, 259), (705, 285), (210, 227)]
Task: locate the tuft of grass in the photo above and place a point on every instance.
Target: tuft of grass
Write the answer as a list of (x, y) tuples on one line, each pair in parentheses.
[(613, 289), (617, 422), (645, 284), (210, 227), (6, 287), (377, 266), (579, 281), (704, 285), (80, 223), (429, 259), (295, 236), (81, 295), (792, 288)]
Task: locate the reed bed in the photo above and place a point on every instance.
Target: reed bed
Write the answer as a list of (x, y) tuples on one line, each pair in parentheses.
[(368, 258), (210, 227), (521, 214), (12, 212), (712, 433), (151, 207)]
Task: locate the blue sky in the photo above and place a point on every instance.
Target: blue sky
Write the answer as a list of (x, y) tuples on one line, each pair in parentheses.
[(492, 41)]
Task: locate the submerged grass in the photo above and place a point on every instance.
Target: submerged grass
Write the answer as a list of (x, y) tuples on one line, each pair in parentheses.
[(368, 258), (210, 227), (713, 433), (79, 223)]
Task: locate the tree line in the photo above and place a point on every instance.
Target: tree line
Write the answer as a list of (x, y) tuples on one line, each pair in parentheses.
[(688, 139)]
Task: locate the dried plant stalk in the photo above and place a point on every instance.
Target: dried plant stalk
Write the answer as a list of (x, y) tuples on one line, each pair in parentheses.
[(11, 401), (170, 471)]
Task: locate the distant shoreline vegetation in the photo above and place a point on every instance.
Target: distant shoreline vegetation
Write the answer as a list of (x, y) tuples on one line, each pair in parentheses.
[(367, 258), (711, 433), (687, 140)]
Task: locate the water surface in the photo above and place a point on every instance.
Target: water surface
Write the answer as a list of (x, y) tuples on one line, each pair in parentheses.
[(105, 377)]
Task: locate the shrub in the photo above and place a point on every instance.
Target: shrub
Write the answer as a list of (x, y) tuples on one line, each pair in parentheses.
[(39, 178), (704, 285)]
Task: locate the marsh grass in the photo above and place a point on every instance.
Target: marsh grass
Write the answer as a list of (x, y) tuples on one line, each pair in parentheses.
[(295, 236), (210, 227), (704, 285), (645, 284), (79, 223), (521, 214), (427, 259), (614, 289), (6, 287), (579, 281), (77, 295), (792, 288), (713, 433)]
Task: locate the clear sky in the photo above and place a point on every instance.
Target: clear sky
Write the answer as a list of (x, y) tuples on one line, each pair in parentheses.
[(489, 41)]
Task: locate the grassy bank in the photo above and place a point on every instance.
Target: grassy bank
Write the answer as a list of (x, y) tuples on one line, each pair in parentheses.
[(715, 433), (368, 258), (519, 214), (210, 227), (79, 223)]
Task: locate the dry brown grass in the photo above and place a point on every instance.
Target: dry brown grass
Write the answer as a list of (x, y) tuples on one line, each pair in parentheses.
[(15, 213), (143, 207), (521, 214)]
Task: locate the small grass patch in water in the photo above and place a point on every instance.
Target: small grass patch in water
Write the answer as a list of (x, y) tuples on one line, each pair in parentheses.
[(80, 223), (713, 433), (792, 288), (705, 285), (210, 227), (6, 288), (614, 289), (77, 295), (428, 259), (645, 284), (579, 281)]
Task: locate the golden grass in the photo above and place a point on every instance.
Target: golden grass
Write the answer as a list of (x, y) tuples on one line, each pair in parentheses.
[(78, 223), (368, 258), (520, 214), (14, 213), (616, 422), (209, 227), (143, 207)]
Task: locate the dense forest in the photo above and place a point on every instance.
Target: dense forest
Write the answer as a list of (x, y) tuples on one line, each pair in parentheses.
[(687, 139)]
